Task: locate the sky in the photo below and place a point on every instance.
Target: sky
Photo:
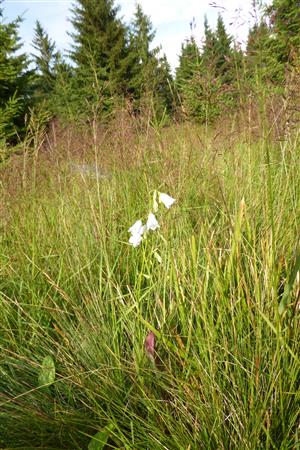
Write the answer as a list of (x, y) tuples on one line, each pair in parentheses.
[(170, 18)]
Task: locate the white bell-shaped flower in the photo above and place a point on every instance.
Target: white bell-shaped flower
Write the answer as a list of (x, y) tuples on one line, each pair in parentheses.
[(135, 239), (152, 223), (137, 228), (166, 199)]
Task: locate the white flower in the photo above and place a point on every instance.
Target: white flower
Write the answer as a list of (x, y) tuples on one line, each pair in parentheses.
[(137, 228), (135, 239), (166, 200), (152, 223)]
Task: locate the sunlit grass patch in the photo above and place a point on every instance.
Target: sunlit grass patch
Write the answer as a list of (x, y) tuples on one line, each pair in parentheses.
[(206, 285)]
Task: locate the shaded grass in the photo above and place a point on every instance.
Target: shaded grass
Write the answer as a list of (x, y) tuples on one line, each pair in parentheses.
[(227, 373)]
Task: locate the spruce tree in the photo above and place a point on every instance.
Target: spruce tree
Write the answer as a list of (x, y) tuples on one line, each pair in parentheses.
[(187, 77), (45, 58), (14, 81), (150, 80), (54, 78), (142, 35), (217, 51), (285, 24), (189, 60), (206, 80), (223, 51), (142, 60), (262, 63), (163, 98), (99, 53), (99, 48), (209, 44)]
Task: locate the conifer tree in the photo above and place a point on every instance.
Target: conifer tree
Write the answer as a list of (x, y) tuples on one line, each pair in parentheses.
[(163, 89), (150, 77), (99, 53), (217, 51), (142, 35), (209, 44), (223, 51), (189, 60), (285, 24), (53, 87), (142, 59), (99, 49), (46, 59), (210, 80), (206, 80), (14, 77), (187, 77), (262, 62)]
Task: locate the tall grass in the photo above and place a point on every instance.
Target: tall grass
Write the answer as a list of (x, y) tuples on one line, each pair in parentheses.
[(227, 361)]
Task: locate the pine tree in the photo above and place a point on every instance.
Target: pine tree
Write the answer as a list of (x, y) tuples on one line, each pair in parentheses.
[(54, 81), (209, 79), (14, 81)]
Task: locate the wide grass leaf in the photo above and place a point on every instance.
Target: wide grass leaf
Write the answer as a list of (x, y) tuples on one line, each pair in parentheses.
[(47, 373), (289, 286), (100, 439)]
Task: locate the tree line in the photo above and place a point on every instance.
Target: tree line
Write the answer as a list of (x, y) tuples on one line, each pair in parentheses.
[(112, 64)]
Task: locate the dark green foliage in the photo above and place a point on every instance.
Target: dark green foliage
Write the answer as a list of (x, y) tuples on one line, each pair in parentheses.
[(64, 102), (46, 60), (99, 36), (263, 65), (14, 81), (99, 53), (187, 78), (206, 80), (113, 62), (150, 80), (142, 60), (285, 24), (223, 52), (274, 43), (189, 60), (163, 88), (142, 35)]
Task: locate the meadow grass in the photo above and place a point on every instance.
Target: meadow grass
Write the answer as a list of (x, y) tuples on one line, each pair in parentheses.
[(226, 372)]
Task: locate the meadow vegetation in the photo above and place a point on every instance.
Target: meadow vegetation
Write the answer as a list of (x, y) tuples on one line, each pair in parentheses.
[(222, 299), (187, 339)]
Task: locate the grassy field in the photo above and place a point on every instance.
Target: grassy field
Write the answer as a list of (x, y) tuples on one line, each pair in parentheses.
[(217, 284)]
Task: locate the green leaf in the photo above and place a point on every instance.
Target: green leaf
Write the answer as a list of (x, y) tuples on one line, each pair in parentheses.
[(47, 373), (100, 439), (289, 287)]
